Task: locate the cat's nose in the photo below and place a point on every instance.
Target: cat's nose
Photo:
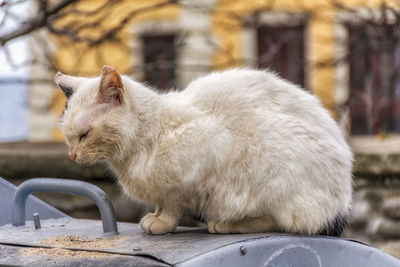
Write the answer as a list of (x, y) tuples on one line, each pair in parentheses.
[(72, 155)]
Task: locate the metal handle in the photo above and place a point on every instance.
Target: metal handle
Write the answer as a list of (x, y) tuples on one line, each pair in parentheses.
[(64, 186)]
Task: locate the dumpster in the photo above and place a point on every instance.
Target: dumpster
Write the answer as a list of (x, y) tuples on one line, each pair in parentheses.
[(33, 233)]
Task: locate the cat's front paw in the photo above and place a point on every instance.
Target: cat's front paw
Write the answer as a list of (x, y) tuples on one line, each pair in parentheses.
[(219, 228), (147, 220), (152, 224)]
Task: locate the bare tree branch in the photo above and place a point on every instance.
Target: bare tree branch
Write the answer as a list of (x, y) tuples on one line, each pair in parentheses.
[(37, 22), (108, 34)]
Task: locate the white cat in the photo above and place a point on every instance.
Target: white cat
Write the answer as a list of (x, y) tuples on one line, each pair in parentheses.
[(243, 149)]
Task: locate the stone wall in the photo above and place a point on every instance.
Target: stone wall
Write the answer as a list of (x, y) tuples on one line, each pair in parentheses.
[(375, 216)]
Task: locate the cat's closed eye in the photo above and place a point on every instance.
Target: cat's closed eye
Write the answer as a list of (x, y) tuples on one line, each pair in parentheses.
[(84, 135)]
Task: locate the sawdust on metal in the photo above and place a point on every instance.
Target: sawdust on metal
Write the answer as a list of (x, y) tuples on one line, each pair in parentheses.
[(62, 253), (76, 241)]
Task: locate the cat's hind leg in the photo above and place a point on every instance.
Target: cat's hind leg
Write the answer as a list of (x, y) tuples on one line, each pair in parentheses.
[(162, 221), (246, 225)]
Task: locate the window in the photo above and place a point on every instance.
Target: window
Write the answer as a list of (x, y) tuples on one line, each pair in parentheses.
[(374, 85), (159, 58), (13, 111), (282, 49)]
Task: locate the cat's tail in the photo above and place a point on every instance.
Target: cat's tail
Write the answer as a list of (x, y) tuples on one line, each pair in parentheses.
[(335, 227)]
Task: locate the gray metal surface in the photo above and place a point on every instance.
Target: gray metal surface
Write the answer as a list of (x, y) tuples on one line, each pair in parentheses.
[(22, 256), (33, 205), (64, 186), (65, 241), (196, 247), (183, 244), (294, 251)]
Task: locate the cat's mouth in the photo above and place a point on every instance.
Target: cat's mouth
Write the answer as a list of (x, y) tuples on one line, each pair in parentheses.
[(86, 161)]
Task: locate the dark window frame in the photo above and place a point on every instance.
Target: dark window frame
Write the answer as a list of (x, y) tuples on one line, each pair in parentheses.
[(160, 60), (293, 48), (374, 61)]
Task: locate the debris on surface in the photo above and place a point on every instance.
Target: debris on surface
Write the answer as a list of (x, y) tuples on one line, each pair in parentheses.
[(62, 252), (78, 242)]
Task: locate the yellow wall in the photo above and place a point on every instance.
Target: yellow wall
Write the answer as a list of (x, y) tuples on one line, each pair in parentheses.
[(226, 26)]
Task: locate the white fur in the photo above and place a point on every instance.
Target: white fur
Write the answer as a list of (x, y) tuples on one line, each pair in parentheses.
[(233, 146)]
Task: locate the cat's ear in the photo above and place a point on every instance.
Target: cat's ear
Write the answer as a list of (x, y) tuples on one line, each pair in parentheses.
[(111, 87), (68, 84)]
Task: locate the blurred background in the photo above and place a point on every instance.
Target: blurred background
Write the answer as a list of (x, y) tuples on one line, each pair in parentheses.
[(347, 52)]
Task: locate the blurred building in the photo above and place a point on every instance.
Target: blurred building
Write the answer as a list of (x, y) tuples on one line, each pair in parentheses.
[(345, 52)]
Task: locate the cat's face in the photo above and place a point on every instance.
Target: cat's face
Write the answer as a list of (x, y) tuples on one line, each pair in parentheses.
[(88, 120)]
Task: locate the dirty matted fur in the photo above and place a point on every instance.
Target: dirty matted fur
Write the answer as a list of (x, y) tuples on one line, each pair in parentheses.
[(243, 149)]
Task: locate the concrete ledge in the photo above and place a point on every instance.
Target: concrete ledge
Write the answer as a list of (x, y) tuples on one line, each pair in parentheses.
[(376, 156), (373, 157), (27, 160), (376, 164)]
